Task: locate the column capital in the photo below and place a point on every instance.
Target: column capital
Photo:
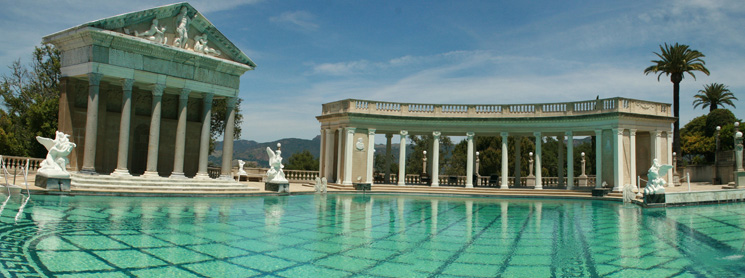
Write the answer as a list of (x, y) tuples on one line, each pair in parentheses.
[(351, 130), (158, 89), (569, 133), (370, 131), (598, 132), (231, 102), (618, 130), (656, 133), (537, 133), (389, 135), (127, 84), (504, 133), (184, 93), (404, 132), (670, 134), (632, 132), (207, 97), (94, 78), (436, 134)]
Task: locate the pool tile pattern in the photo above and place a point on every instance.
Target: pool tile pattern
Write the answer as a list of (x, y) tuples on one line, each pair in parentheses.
[(365, 236)]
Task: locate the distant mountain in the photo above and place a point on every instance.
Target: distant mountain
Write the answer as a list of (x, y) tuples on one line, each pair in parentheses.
[(248, 150)]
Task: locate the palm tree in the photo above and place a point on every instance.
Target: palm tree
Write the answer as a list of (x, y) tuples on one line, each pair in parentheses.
[(713, 95), (675, 60)]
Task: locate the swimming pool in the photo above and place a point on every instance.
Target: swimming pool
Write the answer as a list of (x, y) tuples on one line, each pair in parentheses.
[(339, 235)]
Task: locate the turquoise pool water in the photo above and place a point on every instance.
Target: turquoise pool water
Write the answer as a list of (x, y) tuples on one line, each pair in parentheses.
[(365, 236)]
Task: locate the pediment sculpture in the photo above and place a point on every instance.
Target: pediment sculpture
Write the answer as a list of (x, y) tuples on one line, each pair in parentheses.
[(55, 163)]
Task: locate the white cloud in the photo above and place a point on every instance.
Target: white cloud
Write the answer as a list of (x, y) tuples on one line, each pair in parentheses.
[(299, 19)]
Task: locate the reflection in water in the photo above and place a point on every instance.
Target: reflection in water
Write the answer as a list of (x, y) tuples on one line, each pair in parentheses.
[(563, 238)]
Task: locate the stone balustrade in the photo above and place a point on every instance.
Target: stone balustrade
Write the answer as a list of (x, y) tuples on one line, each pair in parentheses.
[(14, 164), (575, 108)]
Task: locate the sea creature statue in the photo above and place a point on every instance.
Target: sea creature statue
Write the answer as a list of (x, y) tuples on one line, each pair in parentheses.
[(275, 173), (54, 165), (320, 185), (241, 172), (655, 184)]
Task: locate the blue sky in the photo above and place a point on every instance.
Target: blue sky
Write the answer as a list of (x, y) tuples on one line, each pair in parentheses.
[(465, 52)]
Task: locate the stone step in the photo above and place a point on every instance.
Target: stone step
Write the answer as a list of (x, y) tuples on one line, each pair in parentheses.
[(477, 190), (107, 180), (129, 188)]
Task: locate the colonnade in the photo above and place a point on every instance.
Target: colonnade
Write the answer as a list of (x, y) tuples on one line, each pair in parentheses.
[(157, 90), (621, 157)]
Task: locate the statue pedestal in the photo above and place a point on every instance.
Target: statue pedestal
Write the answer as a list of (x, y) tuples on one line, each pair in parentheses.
[(676, 179), (739, 178), (52, 183), (654, 198), (278, 187), (362, 186), (600, 192), (530, 180), (582, 181)]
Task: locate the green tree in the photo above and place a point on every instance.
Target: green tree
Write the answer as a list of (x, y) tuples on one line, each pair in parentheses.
[(713, 95), (424, 143), (31, 102), (698, 137), (302, 161), (675, 61)]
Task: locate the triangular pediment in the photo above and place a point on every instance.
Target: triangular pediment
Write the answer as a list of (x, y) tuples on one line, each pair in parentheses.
[(167, 25)]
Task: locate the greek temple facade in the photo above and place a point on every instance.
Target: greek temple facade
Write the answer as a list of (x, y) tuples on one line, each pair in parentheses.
[(629, 134), (137, 92)]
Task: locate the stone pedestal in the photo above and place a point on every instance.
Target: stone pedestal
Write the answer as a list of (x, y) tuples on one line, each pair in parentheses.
[(600, 192), (59, 184), (739, 179), (654, 198), (530, 180), (278, 187), (362, 186), (582, 181)]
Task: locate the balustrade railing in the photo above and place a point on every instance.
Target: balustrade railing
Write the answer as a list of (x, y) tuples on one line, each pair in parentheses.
[(16, 163), (499, 110)]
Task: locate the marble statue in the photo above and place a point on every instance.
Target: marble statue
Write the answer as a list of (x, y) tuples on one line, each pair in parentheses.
[(321, 185), (182, 31), (155, 33), (655, 184), (275, 173), (55, 164), (241, 172), (200, 46)]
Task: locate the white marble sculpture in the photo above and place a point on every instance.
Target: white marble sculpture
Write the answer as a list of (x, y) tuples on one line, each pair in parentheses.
[(241, 172), (275, 173), (320, 185), (182, 31), (55, 164), (200, 46), (156, 33), (655, 184)]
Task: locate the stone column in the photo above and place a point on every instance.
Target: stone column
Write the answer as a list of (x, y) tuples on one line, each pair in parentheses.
[(124, 124), (505, 182), (178, 157), (329, 153), (322, 155), (154, 137), (402, 159), (655, 142), (632, 156), (370, 155), (436, 159), (227, 145), (598, 158), (469, 160), (618, 159), (538, 167), (388, 137), (339, 154), (518, 161), (560, 166), (570, 160), (204, 139), (91, 124), (670, 181), (348, 156)]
